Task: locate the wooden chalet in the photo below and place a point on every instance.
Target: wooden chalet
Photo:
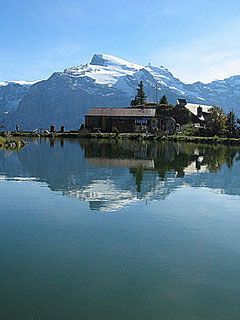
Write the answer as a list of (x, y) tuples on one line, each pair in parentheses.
[(124, 119)]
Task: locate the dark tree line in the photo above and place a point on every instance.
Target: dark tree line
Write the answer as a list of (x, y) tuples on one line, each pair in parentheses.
[(221, 124), (217, 123)]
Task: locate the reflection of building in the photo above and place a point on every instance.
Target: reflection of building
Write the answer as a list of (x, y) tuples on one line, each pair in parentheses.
[(110, 175), (129, 163), (161, 158), (196, 166)]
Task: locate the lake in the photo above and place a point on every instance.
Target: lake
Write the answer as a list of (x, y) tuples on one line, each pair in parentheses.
[(120, 231)]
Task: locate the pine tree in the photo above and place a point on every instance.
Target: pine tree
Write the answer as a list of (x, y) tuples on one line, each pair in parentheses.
[(231, 124), (163, 100), (238, 128), (134, 102), (140, 97), (141, 94), (216, 123)]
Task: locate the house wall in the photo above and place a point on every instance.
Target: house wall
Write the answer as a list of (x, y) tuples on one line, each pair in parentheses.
[(130, 124), (170, 126), (107, 124), (124, 124), (93, 123), (154, 124)]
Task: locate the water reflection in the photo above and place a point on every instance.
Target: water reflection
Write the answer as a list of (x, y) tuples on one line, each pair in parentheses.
[(112, 174)]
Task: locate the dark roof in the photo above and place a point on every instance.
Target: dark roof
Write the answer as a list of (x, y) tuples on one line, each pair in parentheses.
[(152, 105), (121, 112), (164, 106), (183, 101)]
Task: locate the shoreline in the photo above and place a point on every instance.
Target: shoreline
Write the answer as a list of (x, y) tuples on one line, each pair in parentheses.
[(11, 143), (128, 136)]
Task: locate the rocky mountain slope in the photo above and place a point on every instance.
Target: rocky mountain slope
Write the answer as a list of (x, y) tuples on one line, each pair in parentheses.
[(11, 93), (108, 81)]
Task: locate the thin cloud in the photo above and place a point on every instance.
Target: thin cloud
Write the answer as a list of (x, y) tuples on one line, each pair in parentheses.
[(214, 56)]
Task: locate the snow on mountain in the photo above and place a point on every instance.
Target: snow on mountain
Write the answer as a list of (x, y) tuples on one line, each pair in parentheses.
[(165, 78), (104, 69), (115, 72), (20, 82), (3, 84), (106, 81)]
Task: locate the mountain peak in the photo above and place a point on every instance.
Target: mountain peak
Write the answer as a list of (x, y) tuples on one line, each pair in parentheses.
[(104, 69), (106, 60)]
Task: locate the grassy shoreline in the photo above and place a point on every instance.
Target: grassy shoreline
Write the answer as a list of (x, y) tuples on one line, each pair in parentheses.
[(131, 136), (11, 143)]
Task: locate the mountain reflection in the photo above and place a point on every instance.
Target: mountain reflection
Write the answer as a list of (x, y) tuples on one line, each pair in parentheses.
[(112, 174)]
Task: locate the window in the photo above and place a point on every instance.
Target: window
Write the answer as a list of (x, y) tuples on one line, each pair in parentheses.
[(141, 121)]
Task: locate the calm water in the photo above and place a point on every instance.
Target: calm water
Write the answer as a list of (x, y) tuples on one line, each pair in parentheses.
[(119, 231)]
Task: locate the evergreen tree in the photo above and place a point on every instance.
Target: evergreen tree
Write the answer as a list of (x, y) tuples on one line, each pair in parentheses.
[(141, 94), (140, 97), (134, 102), (238, 128), (216, 123), (163, 100), (231, 124)]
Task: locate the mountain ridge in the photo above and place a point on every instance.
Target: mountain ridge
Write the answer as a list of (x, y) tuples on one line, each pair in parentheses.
[(109, 81)]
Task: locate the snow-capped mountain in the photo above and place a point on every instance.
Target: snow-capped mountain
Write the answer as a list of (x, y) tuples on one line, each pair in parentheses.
[(11, 93), (108, 81), (104, 69)]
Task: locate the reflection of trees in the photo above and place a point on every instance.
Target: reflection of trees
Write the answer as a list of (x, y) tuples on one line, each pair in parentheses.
[(216, 156), (167, 157), (108, 173), (115, 149), (138, 175)]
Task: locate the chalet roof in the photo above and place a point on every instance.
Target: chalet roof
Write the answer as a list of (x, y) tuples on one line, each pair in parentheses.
[(121, 112), (181, 101), (145, 105), (164, 106), (194, 108)]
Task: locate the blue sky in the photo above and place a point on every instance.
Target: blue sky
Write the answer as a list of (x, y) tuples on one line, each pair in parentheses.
[(195, 40)]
